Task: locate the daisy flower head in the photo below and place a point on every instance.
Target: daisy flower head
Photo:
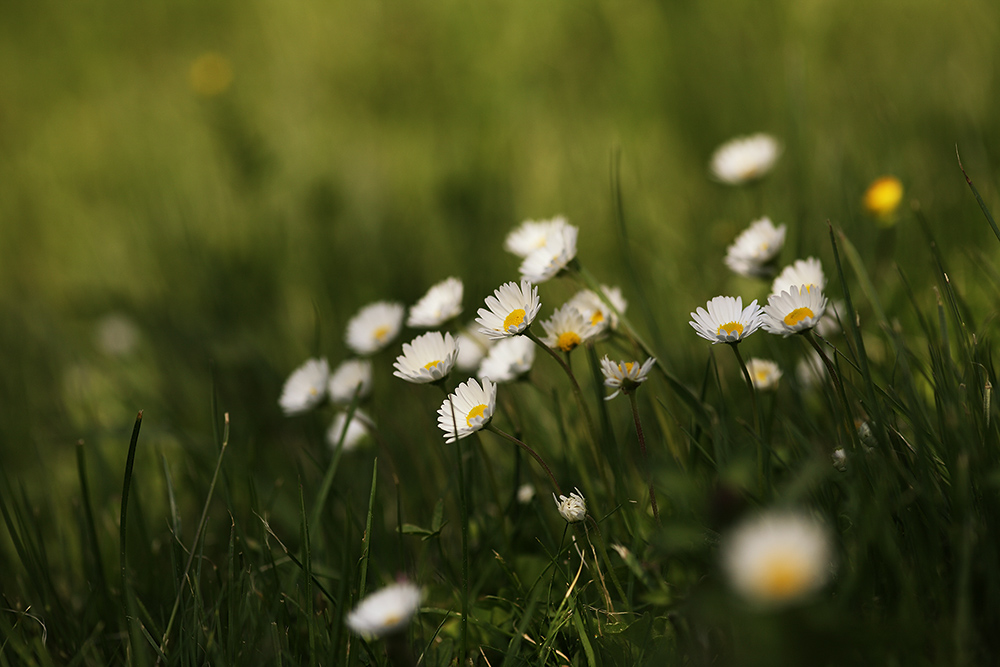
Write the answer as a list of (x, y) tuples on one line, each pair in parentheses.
[(385, 611), (726, 320), (624, 376), (467, 410), (598, 312), (357, 430), (442, 302), (753, 250), (794, 310), (352, 376), (508, 360), (525, 493), (567, 328), (764, 373), (573, 507), (802, 272), (472, 347), (374, 327), (546, 262), (427, 358), (839, 459), (305, 387), (745, 159), (531, 235), (512, 309), (882, 198), (777, 558)]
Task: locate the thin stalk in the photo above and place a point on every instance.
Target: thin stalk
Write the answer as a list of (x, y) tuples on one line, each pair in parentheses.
[(464, 510), (756, 413), (541, 462), (645, 457), (838, 383), (126, 485)]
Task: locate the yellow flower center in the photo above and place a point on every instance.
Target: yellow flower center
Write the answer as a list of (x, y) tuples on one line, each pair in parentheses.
[(391, 620), (730, 328), (515, 319), (761, 376), (783, 577), (596, 318), (431, 365), (567, 340), (381, 332), (797, 315), (477, 411), (313, 391)]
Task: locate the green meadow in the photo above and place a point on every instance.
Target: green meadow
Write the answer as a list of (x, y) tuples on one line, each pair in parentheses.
[(197, 197)]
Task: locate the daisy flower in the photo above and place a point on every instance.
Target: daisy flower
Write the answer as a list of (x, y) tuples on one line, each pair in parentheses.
[(386, 611), (469, 409), (525, 493), (726, 320), (755, 247), (374, 327), (839, 458), (357, 430), (764, 373), (305, 387), (508, 360), (793, 311), (802, 272), (512, 309), (624, 376), (567, 328), (777, 558), (427, 358), (442, 302), (352, 376), (546, 262), (745, 159), (472, 347), (882, 198), (531, 235), (573, 507), (598, 312)]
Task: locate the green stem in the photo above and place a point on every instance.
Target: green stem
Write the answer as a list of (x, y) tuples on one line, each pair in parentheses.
[(756, 413), (464, 509), (838, 383), (645, 457), (541, 461)]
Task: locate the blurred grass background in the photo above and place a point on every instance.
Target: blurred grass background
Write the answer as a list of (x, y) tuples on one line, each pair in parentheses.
[(364, 150)]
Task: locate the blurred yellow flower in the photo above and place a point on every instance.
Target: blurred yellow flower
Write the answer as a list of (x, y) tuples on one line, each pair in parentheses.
[(211, 74), (882, 198)]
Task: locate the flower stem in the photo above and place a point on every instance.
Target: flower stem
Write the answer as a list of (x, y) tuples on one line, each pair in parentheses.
[(756, 413), (541, 461), (645, 458), (837, 382), (464, 509)]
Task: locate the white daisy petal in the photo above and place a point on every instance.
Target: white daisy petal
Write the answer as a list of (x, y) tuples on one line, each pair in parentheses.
[(442, 302), (385, 611), (567, 328), (468, 409), (427, 358), (624, 376), (357, 430), (354, 375), (374, 327), (726, 320), (803, 272), (305, 387), (508, 360), (546, 262), (793, 311), (512, 309), (764, 373), (531, 235), (751, 253), (745, 158), (573, 507)]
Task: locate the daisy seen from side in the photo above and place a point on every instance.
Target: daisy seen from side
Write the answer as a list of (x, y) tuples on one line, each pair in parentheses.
[(764, 373), (385, 611), (794, 310), (567, 328), (802, 272), (624, 376), (442, 302), (427, 358), (512, 309), (752, 252), (305, 388), (726, 320), (532, 235), (374, 327), (745, 159), (596, 311), (350, 377), (468, 409), (508, 360), (546, 262)]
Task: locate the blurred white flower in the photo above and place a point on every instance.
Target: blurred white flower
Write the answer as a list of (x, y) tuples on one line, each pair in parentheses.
[(427, 358), (546, 262), (726, 320), (839, 458), (801, 273), (778, 557), (598, 312), (357, 430), (442, 302), (472, 347), (374, 327), (508, 360), (764, 373), (386, 611), (573, 507), (352, 376), (525, 493), (531, 235), (512, 309), (744, 159), (567, 328), (468, 409), (751, 253), (624, 376), (794, 311), (305, 387), (116, 334)]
